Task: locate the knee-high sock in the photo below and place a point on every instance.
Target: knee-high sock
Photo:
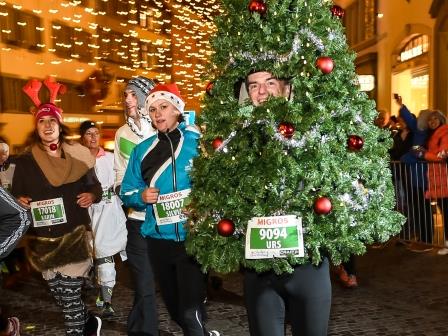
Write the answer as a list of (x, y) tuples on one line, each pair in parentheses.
[(72, 305)]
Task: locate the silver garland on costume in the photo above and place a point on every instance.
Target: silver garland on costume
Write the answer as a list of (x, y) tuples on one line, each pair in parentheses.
[(361, 194), (272, 55), (223, 146), (313, 135)]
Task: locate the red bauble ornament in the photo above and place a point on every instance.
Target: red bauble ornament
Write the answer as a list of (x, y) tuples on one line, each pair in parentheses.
[(337, 11), (355, 142), (53, 147), (217, 143), (209, 88), (286, 129), (322, 206), (325, 64), (257, 6), (262, 8), (226, 227)]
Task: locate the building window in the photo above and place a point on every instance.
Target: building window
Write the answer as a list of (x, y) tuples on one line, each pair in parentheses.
[(156, 57), (116, 47), (128, 51), (9, 99), (20, 28), (153, 17), (69, 42), (148, 14), (360, 21), (83, 3)]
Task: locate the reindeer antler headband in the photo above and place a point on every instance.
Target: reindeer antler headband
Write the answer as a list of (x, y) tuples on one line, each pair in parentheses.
[(32, 88)]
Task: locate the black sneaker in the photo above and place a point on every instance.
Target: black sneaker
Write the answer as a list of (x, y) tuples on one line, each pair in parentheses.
[(93, 326)]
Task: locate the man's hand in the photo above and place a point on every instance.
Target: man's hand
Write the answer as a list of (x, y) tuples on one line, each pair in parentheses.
[(85, 199), (150, 195)]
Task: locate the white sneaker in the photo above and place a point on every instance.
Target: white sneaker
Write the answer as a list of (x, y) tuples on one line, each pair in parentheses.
[(443, 251), (214, 333)]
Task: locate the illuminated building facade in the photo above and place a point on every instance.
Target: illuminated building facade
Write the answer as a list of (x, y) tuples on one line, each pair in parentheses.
[(94, 47), (400, 46)]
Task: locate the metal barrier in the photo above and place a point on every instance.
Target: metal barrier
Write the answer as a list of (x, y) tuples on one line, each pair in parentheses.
[(421, 191)]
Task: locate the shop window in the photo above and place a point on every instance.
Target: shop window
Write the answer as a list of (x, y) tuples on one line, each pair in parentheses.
[(70, 42), (20, 28)]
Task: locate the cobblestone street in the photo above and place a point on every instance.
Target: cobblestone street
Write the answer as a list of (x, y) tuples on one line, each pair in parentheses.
[(400, 293)]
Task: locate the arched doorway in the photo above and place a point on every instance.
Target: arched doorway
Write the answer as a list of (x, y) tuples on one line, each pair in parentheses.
[(411, 73)]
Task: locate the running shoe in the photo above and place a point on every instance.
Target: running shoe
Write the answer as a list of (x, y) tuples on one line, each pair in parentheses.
[(107, 310)]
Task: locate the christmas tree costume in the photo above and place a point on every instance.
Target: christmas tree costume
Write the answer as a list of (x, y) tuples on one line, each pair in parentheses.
[(297, 179), (318, 156)]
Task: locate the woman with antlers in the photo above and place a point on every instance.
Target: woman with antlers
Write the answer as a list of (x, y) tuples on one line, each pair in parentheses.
[(56, 181)]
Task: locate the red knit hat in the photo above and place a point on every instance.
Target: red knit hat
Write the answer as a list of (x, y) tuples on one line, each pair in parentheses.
[(168, 92), (32, 88), (48, 109)]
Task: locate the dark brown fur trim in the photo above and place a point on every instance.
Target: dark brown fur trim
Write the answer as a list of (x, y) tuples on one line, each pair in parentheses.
[(46, 253)]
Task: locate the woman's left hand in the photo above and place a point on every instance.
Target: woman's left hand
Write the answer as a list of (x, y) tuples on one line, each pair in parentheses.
[(85, 199)]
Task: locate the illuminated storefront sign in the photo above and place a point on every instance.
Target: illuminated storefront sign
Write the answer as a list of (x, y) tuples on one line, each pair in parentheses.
[(366, 82), (411, 53), (414, 48)]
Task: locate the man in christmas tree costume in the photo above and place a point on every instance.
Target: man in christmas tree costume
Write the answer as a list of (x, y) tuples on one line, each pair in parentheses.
[(307, 291), (296, 175)]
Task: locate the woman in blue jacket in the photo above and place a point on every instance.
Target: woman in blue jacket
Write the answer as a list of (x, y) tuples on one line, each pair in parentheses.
[(157, 180)]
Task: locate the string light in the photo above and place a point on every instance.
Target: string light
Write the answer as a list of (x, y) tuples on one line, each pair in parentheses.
[(148, 31)]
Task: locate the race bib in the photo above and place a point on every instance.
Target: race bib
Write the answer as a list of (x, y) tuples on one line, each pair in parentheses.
[(274, 237), (48, 212), (168, 209)]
